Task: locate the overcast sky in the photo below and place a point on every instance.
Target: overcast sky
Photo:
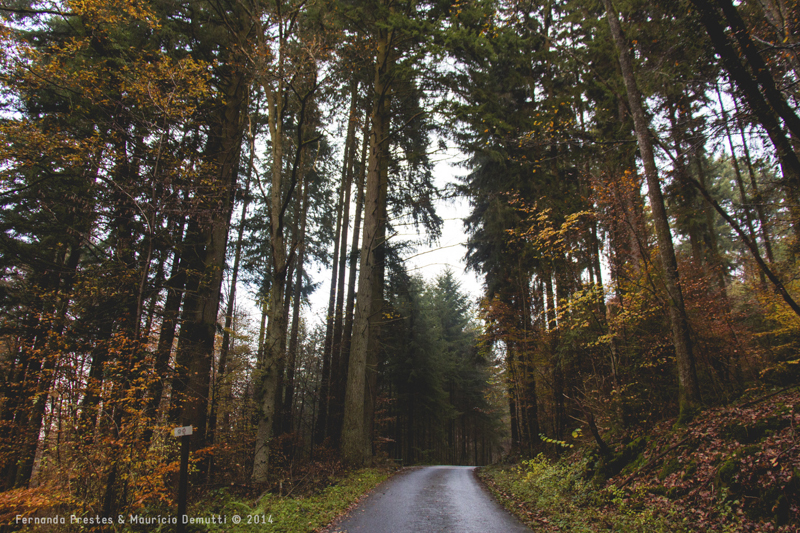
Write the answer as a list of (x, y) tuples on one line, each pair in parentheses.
[(428, 261)]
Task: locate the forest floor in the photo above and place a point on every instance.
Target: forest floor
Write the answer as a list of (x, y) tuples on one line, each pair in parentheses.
[(734, 468)]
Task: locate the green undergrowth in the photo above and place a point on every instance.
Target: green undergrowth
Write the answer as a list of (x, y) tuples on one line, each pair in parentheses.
[(557, 496), (302, 513)]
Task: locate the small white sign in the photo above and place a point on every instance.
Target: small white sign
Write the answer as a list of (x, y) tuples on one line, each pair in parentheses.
[(185, 431)]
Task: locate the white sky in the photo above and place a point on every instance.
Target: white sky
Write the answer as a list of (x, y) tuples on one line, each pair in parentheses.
[(428, 261)]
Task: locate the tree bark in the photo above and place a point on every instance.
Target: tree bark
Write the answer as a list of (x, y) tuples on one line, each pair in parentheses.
[(344, 351), (266, 376), (737, 172), (758, 67), (321, 431), (759, 200), (225, 346), (40, 371)]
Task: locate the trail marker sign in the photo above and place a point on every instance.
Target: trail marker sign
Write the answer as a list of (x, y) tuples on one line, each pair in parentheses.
[(184, 431)]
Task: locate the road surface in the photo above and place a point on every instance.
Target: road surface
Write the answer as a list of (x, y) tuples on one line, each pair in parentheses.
[(430, 500)]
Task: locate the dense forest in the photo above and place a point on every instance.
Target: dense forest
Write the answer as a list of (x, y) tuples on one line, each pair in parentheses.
[(172, 172)]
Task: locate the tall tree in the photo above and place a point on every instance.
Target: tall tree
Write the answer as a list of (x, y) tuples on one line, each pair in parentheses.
[(688, 388), (294, 71), (206, 239)]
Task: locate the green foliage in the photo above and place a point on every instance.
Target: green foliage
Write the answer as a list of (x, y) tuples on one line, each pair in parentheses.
[(559, 443), (292, 514), (436, 382)]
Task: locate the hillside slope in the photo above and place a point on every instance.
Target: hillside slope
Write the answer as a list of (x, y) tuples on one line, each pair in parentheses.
[(734, 468)]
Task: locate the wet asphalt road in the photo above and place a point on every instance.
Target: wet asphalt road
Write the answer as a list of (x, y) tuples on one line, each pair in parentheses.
[(429, 500)]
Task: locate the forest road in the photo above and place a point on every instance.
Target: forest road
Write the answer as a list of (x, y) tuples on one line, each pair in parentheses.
[(432, 499)]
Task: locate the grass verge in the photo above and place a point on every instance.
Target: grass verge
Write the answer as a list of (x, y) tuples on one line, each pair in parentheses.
[(300, 514)]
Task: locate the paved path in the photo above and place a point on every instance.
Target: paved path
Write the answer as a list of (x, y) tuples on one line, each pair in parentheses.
[(430, 500)]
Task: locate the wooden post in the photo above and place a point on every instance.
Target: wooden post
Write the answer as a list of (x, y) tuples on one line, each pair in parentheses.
[(183, 433)]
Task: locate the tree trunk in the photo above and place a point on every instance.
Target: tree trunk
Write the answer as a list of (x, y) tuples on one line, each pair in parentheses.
[(762, 216), (225, 346), (688, 389), (325, 386), (758, 66), (267, 368), (344, 352), (337, 378), (266, 376), (175, 286), (40, 373), (356, 439), (288, 425), (207, 238), (685, 199), (748, 214)]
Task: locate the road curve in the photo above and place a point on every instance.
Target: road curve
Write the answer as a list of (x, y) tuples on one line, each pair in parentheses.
[(428, 500)]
